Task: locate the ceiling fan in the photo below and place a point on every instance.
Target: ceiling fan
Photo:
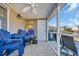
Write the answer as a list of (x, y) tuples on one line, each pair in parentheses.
[(32, 7)]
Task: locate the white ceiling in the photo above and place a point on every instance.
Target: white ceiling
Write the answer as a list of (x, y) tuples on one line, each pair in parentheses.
[(43, 10)]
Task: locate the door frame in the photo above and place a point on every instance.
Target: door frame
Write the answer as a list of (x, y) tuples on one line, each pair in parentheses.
[(45, 30)]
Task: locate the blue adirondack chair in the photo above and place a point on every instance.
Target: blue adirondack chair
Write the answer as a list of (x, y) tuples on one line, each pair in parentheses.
[(31, 33), (8, 44), (22, 34)]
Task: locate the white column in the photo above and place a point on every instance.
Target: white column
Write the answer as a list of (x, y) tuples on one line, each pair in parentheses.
[(47, 29), (8, 12), (58, 30)]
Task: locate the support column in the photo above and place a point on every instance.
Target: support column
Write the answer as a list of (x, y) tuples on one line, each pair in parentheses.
[(47, 30), (8, 12), (58, 30)]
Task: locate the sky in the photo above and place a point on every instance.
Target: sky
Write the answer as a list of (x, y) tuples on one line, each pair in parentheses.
[(69, 16)]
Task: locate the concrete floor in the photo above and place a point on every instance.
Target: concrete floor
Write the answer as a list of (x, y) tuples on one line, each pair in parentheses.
[(40, 49)]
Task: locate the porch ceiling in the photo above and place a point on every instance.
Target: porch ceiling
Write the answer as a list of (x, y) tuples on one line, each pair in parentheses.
[(43, 10)]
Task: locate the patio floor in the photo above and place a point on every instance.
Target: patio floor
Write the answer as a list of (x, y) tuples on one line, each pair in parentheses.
[(40, 49)]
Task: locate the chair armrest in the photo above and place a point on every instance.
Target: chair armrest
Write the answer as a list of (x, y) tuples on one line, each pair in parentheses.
[(15, 36), (10, 41)]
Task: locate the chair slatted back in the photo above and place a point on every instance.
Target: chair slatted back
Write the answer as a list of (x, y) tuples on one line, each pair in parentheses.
[(68, 42)]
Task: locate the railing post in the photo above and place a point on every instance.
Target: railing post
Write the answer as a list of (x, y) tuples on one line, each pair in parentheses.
[(58, 30)]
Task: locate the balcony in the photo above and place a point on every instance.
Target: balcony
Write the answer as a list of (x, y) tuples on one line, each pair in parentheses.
[(22, 24)]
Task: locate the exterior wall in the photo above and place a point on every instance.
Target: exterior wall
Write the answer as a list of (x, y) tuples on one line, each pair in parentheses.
[(41, 30), (15, 23)]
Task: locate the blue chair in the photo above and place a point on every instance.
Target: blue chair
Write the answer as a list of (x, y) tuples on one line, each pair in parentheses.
[(8, 44), (25, 35), (22, 34), (31, 33), (1, 49)]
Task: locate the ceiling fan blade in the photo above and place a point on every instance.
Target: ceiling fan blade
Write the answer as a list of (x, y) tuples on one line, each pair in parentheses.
[(34, 10), (27, 8)]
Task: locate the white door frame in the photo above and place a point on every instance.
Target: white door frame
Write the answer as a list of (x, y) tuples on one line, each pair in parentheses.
[(58, 29)]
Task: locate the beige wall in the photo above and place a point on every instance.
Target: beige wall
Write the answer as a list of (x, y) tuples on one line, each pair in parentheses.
[(33, 24), (15, 23)]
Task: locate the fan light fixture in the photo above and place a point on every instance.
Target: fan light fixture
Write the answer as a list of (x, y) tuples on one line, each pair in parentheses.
[(31, 7)]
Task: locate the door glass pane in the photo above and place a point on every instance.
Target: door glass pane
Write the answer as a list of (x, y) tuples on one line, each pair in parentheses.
[(52, 29)]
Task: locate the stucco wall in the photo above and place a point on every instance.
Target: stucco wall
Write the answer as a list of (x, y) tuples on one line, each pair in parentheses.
[(15, 23)]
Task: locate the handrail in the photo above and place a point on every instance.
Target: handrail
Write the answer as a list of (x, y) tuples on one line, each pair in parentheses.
[(72, 35)]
